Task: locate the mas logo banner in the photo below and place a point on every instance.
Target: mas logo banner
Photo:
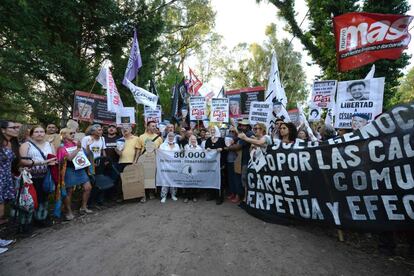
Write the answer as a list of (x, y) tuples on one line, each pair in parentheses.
[(363, 38), (188, 169), (362, 181)]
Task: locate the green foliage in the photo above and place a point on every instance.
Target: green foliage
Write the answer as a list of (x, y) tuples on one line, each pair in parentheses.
[(249, 65), (320, 42), (405, 92), (49, 49)]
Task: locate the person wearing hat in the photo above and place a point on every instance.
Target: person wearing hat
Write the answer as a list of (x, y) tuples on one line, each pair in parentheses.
[(359, 120)]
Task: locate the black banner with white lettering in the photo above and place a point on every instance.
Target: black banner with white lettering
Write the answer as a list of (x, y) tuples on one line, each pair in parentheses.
[(362, 181)]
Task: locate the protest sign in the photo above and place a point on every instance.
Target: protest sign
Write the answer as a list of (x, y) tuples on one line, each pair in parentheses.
[(244, 97), (126, 115), (294, 116), (92, 108), (147, 161), (358, 97), (152, 114), (219, 110), (314, 114), (198, 109), (188, 169), (133, 181), (323, 93), (362, 38), (362, 181), (234, 106), (260, 112)]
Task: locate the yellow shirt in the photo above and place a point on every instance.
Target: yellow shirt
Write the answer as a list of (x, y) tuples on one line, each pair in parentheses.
[(128, 153), (146, 137)]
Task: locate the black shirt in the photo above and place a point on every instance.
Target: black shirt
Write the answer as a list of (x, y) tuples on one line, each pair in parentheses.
[(219, 144), (110, 143)]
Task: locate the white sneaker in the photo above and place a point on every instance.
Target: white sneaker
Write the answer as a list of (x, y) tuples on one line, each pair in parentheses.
[(163, 199), (173, 197), (2, 250), (4, 243)]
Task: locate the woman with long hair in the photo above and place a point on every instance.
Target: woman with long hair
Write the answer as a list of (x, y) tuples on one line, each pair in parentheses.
[(9, 158), (37, 149), (303, 135), (288, 133), (66, 152)]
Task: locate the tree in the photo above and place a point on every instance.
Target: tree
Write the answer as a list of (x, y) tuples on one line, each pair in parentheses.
[(405, 92), (319, 40), (249, 65), (49, 49)]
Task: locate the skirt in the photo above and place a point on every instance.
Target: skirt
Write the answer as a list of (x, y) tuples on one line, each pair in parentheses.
[(75, 177)]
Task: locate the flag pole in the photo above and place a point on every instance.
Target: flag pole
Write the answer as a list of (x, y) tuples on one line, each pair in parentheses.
[(89, 95)]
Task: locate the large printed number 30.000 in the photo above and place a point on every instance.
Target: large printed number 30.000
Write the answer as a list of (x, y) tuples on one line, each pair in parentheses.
[(190, 154)]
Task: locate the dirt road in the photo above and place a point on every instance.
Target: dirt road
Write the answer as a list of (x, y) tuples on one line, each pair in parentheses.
[(186, 239)]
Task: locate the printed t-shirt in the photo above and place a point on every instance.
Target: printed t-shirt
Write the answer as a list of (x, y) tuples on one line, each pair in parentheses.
[(96, 147), (110, 143)]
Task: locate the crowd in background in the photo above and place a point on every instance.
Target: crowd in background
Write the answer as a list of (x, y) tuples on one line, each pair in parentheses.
[(110, 149)]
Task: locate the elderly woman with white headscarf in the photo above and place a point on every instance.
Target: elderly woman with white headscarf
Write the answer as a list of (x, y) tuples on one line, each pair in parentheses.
[(169, 145)]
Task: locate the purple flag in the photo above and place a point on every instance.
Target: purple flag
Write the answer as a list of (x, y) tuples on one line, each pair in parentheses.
[(134, 62)]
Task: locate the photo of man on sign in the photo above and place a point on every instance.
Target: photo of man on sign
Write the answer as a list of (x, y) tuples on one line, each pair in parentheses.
[(358, 91)]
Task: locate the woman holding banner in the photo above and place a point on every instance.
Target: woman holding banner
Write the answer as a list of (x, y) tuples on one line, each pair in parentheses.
[(169, 145)]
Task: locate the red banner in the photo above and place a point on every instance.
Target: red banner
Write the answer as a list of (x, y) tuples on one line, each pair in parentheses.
[(362, 38), (194, 85)]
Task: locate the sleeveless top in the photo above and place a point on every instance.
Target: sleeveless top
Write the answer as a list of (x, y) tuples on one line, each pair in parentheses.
[(39, 171)]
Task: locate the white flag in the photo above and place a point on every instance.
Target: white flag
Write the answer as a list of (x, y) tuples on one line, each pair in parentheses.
[(141, 95), (112, 95), (275, 90), (371, 73)]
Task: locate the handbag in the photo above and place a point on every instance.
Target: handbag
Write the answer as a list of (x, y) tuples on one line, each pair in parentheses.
[(27, 199), (48, 182)]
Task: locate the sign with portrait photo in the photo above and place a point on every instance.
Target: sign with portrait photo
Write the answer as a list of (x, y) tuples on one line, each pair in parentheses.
[(314, 114), (92, 108), (363, 97)]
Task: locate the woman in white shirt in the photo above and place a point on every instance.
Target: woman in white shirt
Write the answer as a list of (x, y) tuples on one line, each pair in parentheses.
[(37, 150), (169, 145), (192, 144)]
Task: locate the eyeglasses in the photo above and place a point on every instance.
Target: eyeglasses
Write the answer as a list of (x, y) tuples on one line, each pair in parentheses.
[(14, 127)]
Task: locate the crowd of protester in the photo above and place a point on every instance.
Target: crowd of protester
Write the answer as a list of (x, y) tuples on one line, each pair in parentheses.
[(38, 149)]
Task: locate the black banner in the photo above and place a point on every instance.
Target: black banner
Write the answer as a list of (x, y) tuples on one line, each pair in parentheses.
[(362, 181), (92, 108)]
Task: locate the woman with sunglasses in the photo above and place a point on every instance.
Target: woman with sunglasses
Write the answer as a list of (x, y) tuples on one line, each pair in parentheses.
[(260, 138), (66, 153)]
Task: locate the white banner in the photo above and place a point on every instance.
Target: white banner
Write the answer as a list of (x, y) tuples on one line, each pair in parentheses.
[(260, 112), (362, 97), (113, 99), (152, 115), (126, 115), (219, 110), (198, 108), (188, 169), (323, 93), (141, 95)]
